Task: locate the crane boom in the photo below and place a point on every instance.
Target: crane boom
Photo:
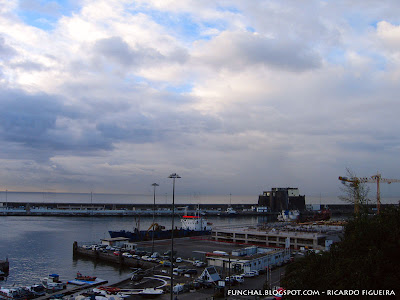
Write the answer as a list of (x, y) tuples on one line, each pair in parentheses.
[(377, 178)]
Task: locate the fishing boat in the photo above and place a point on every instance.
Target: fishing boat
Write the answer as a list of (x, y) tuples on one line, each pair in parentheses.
[(53, 283)]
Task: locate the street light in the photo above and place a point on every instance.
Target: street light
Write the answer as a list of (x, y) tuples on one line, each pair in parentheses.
[(154, 211), (173, 176)]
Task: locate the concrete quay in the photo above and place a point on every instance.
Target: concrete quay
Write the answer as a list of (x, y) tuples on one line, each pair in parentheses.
[(189, 249)]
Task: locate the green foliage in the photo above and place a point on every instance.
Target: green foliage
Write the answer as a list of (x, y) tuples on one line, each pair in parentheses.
[(366, 258)]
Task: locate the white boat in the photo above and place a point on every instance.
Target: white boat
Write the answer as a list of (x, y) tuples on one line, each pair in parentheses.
[(288, 215), (52, 283), (195, 223), (231, 211)]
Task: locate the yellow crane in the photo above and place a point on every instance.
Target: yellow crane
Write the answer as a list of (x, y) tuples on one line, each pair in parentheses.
[(373, 179)]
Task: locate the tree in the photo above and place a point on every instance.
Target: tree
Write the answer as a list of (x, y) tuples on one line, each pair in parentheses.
[(366, 258), (354, 191)]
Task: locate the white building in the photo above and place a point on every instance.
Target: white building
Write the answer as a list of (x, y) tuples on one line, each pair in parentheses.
[(115, 242), (249, 259)]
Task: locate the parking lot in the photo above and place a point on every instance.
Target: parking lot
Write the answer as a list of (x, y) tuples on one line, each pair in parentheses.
[(193, 248)]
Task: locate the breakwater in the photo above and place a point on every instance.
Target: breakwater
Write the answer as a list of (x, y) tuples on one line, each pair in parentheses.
[(110, 257), (100, 210)]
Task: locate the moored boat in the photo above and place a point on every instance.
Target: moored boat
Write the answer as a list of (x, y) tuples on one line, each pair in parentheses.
[(79, 276), (288, 216), (53, 283), (196, 225)]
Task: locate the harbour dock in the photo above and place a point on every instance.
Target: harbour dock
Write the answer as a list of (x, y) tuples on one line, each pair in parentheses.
[(103, 210)]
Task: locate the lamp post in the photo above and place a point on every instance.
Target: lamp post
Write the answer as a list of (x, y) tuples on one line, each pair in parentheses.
[(154, 211), (173, 176)]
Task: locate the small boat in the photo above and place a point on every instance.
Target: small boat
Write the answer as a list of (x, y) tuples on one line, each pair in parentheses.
[(288, 215), (231, 211), (79, 276), (107, 290)]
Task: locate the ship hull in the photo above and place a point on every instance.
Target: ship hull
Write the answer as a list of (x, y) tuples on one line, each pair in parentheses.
[(137, 236)]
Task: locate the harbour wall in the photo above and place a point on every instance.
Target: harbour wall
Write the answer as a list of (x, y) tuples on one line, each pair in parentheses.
[(110, 258)]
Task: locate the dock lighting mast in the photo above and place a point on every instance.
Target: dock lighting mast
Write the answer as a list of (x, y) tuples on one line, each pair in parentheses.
[(173, 176), (373, 179), (154, 211)]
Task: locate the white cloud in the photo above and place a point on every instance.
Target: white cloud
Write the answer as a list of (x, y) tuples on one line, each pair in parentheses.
[(286, 94)]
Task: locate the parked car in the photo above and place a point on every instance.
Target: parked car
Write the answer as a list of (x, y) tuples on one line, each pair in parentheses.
[(155, 255), (191, 272), (127, 254), (200, 264), (248, 274), (116, 253), (168, 253), (180, 269), (256, 273), (231, 280), (178, 260)]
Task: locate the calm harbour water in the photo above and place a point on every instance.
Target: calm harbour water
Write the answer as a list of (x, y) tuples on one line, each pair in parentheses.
[(38, 246)]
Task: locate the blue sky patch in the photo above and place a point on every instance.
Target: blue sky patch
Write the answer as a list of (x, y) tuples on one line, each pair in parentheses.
[(44, 14)]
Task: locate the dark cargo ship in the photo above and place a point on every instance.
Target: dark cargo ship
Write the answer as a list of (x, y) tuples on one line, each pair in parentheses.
[(191, 226)]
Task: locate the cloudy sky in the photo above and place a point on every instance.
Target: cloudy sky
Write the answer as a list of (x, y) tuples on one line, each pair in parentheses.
[(234, 96)]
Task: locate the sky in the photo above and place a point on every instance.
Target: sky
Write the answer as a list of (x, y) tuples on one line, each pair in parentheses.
[(235, 96)]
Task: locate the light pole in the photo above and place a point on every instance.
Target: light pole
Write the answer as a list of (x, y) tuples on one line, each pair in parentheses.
[(173, 176), (154, 211)]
